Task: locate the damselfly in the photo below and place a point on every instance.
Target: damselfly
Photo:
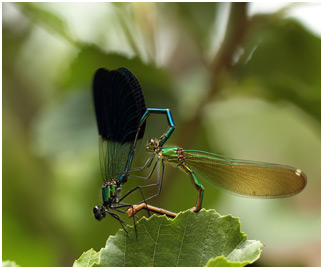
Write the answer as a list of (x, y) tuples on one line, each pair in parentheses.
[(120, 110), (247, 178)]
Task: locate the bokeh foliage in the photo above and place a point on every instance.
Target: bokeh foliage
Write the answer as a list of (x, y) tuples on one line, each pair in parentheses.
[(247, 89)]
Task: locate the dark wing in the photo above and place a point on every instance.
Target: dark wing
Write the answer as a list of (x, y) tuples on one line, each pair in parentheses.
[(119, 105), (255, 179), (140, 99)]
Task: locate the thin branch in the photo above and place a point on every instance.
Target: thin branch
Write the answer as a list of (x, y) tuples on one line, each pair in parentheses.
[(236, 29)]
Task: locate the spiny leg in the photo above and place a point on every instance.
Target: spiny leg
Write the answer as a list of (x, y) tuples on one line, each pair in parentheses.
[(131, 191), (138, 207), (116, 208), (146, 165), (150, 174), (120, 205), (124, 211), (133, 216), (199, 187), (123, 224), (160, 178)]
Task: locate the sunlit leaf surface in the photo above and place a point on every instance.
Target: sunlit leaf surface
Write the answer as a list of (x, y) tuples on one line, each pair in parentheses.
[(191, 239)]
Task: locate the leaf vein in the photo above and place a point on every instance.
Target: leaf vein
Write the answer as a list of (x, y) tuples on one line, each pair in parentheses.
[(158, 233), (204, 244), (149, 233), (180, 249)]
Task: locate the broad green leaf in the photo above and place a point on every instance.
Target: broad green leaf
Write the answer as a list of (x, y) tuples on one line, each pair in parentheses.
[(191, 239)]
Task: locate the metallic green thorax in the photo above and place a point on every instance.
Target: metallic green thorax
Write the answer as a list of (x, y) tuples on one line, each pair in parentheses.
[(170, 155), (109, 191)]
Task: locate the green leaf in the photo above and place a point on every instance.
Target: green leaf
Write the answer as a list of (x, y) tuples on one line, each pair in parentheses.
[(222, 261), (87, 259), (245, 253), (9, 264), (191, 239)]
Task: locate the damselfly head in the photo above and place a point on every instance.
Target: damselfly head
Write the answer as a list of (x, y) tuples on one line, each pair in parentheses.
[(99, 213), (152, 145)]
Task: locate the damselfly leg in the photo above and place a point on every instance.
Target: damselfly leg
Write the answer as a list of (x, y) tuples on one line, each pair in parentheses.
[(160, 142)]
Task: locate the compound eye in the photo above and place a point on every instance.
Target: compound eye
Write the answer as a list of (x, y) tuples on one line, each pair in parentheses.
[(151, 145), (99, 214), (96, 210)]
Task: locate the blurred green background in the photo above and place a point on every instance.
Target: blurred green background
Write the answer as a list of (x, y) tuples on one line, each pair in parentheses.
[(239, 82)]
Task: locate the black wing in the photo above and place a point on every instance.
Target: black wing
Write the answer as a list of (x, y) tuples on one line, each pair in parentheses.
[(140, 99), (119, 105)]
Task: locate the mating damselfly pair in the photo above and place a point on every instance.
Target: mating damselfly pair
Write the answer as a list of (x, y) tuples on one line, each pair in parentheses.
[(121, 115)]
